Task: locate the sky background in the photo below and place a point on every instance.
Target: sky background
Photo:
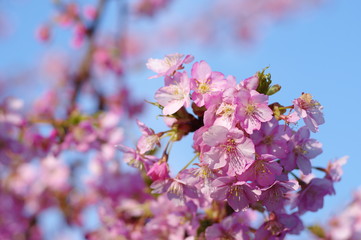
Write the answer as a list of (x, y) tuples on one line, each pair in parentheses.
[(317, 51)]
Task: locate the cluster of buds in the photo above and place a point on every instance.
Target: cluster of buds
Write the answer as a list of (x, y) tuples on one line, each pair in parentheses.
[(70, 15), (252, 158)]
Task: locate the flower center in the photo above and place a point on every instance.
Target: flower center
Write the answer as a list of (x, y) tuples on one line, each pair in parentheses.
[(234, 155), (176, 188), (136, 163), (203, 88), (236, 190), (171, 60), (230, 146), (299, 150), (307, 101), (274, 227), (176, 92), (260, 167), (268, 140), (250, 109), (226, 110), (277, 195)]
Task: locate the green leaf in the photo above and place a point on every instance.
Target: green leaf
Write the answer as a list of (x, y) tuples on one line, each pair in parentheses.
[(264, 81)]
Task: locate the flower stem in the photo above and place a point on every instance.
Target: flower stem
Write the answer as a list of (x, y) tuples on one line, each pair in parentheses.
[(300, 181), (284, 108), (190, 162)]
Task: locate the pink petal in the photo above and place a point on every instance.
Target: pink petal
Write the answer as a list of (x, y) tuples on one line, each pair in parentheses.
[(173, 107)]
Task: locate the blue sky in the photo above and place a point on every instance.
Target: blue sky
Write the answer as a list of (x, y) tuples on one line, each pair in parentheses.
[(317, 52)]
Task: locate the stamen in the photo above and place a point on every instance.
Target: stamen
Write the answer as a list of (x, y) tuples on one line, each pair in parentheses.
[(225, 110), (203, 88), (268, 140), (299, 150), (250, 109), (234, 155), (260, 167), (176, 188)]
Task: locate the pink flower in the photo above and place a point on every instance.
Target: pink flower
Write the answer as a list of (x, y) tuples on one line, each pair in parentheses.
[(201, 178), (83, 136), (302, 148), (229, 228), (272, 139), (14, 223), (177, 190), (54, 174), (278, 226), (237, 193), (334, 169), (148, 140), (252, 110), (44, 105), (275, 197), (159, 171), (43, 33), (170, 221), (310, 110), (68, 15), (25, 180), (90, 12), (134, 158), (106, 59), (222, 110), (290, 118), (79, 35), (263, 170), (175, 94), (311, 197), (205, 83), (250, 83), (229, 148), (168, 65), (198, 143)]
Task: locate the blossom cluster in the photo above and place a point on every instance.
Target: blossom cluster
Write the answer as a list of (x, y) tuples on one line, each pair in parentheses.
[(38, 172), (57, 154), (252, 158), (71, 16)]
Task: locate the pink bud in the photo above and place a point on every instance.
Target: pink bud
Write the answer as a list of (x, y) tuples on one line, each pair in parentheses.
[(43, 33), (90, 12)]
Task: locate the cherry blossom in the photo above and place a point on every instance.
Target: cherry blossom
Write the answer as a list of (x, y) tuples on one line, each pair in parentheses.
[(252, 110), (263, 170), (310, 110), (168, 65), (237, 193), (311, 198), (302, 149), (242, 182), (175, 94), (229, 149), (206, 83)]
